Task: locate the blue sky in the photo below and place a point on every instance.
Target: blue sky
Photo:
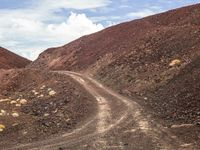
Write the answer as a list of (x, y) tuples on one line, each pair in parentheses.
[(28, 27)]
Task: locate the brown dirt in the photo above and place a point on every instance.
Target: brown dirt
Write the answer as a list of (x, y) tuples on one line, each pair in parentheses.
[(119, 123), (10, 60), (44, 115)]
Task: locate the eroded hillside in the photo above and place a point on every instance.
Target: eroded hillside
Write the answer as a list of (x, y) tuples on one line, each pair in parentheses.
[(145, 58), (10, 60)]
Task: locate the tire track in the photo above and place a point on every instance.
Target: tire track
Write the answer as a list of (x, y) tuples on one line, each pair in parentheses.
[(105, 123)]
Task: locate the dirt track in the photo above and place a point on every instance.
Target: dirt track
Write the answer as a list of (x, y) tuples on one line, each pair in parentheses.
[(119, 124)]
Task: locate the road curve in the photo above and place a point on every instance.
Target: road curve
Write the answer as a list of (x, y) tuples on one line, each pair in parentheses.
[(120, 124)]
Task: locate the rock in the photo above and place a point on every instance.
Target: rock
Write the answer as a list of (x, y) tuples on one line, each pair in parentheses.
[(45, 115), (55, 111), (23, 101), (2, 127), (198, 113), (18, 105), (145, 98), (13, 102), (52, 93), (2, 112), (198, 123), (46, 124), (181, 125), (15, 114), (24, 132), (34, 92), (4, 100), (18, 99), (175, 62), (15, 124), (49, 89), (44, 86), (41, 96)]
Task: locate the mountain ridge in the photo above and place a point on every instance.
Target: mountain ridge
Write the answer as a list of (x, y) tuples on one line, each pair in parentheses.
[(9, 60), (84, 51)]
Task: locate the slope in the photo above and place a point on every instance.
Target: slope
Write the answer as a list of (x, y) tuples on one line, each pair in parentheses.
[(141, 58), (37, 105), (10, 60)]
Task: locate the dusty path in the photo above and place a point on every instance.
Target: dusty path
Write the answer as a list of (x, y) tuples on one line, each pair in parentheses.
[(119, 124)]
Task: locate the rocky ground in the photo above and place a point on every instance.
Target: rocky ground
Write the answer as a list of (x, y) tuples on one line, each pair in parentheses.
[(36, 105)]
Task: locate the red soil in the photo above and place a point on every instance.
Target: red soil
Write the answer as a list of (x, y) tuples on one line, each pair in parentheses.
[(10, 60)]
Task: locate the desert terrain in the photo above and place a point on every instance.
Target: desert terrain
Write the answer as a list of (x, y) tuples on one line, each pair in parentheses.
[(132, 86)]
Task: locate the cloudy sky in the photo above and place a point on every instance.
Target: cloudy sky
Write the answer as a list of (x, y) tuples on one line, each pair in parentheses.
[(28, 27)]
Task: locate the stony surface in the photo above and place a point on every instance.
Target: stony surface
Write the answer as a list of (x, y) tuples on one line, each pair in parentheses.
[(36, 105)]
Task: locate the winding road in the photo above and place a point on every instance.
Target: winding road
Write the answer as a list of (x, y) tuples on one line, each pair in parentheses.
[(120, 124)]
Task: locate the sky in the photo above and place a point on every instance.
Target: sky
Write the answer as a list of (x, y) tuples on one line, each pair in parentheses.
[(28, 27)]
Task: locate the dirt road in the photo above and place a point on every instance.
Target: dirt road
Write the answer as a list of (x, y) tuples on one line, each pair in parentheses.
[(120, 124)]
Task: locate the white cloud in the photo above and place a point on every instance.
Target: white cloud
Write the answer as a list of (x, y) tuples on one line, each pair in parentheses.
[(106, 18), (141, 14), (75, 4), (30, 37), (31, 30)]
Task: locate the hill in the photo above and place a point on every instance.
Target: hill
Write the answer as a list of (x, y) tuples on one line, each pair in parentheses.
[(141, 36), (154, 58), (10, 60), (36, 105), (154, 61)]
